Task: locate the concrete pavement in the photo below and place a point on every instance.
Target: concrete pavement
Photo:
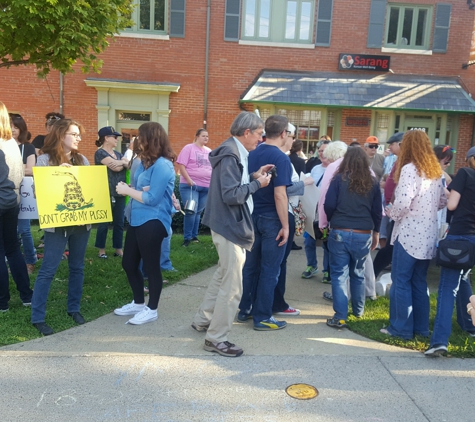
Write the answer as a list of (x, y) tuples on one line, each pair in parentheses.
[(106, 370)]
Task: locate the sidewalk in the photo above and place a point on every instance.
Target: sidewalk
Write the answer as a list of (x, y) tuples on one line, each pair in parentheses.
[(106, 370)]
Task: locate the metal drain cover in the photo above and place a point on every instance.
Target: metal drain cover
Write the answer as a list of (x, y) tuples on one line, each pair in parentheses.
[(302, 391)]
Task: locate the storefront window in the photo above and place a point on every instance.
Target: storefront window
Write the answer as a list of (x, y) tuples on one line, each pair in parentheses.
[(382, 127)]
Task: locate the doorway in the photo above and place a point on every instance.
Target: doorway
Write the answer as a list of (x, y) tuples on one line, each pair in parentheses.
[(427, 125)]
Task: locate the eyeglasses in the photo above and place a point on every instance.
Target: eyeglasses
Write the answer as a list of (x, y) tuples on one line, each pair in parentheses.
[(76, 135), (447, 148), (373, 146), (55, 118)]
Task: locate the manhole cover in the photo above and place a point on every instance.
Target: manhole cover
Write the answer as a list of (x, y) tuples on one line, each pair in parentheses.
[(302, 391)]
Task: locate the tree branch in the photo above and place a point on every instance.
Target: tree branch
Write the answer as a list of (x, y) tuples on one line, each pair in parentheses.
[(20, 62)]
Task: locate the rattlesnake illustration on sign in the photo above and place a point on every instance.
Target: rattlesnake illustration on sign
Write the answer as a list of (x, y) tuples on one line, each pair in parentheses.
[(73, 199)]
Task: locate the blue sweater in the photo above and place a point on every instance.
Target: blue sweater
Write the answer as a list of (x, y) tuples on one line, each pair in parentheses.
[(157, 201), (349, 210)]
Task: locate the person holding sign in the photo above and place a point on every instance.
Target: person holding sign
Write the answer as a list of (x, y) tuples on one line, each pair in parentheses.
[(21, 135), (11, 175), (61, 149), (116, 166), (150, 217)]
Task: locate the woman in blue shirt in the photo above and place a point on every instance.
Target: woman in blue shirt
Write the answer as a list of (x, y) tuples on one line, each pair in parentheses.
[(151, 215)]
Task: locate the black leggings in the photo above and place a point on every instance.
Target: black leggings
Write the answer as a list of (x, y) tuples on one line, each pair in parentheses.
[(144, 243), (385, 255)]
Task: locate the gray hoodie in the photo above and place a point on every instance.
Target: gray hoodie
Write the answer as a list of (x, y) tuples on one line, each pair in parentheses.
[(8, 197), (226, 211)]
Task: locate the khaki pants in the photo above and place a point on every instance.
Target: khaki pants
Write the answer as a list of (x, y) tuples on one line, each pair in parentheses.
[(224, 291)]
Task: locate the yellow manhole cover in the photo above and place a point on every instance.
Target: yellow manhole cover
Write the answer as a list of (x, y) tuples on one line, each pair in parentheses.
[(302, 391)]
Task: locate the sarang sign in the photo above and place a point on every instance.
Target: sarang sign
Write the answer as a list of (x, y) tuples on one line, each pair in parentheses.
[(364, 62)]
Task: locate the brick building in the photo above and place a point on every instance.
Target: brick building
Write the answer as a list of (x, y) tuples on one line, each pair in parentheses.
[(344, 68)]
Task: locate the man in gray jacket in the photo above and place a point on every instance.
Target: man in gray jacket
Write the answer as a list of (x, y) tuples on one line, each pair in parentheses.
[(228, 215)]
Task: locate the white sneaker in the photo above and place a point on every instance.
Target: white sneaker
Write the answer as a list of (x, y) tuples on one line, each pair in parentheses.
[(144, 316), (129, 309)]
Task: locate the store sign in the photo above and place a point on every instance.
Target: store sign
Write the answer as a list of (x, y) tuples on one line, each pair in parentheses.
[(357, 121), (364, 62)]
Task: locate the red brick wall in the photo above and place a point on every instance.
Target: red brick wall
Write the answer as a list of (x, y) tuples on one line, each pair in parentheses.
[(232, 69), (349, 134), (464, 139)]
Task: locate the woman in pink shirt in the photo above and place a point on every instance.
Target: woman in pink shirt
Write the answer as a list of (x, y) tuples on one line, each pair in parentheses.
[(195, 175)]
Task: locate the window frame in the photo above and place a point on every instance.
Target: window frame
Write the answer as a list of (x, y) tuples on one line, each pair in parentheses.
[(277, 22), (427, 31), (135, 29)]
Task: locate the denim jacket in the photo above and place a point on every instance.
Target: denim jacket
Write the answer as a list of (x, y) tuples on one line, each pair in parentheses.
[(157, 200)]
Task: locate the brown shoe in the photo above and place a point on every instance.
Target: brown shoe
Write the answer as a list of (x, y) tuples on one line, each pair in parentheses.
[(224, 348), (30, 268), (200, 328)]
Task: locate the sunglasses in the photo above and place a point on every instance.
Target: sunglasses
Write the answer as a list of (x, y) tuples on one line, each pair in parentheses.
[(373, 146)]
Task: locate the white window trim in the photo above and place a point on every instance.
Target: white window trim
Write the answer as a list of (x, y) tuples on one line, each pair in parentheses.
[(142, 35), (310, 46), (406, 51)]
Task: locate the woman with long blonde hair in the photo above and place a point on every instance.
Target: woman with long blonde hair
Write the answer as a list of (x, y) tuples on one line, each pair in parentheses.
[(419, 195), (11, 175)]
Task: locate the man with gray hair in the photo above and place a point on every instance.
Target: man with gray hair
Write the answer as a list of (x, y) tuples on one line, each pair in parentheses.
[(228, 215), (376, 161)]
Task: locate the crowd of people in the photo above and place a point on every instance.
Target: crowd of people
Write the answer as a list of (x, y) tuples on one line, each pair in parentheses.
[(400, 201)]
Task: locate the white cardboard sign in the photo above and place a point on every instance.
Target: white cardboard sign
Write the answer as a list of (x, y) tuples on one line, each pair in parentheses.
[(28, 208)]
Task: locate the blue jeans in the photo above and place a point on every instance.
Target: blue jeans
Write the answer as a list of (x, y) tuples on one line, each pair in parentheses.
[(452, 289), (118, 226), (76, 237), (191, 223), (279, 302), (165, 263), (409, 304), (348, 253), (10, 248), (29, 250), (310, 245), (262, 268)]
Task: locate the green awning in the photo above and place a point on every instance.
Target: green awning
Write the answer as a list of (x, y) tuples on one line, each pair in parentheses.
[(344, 90)]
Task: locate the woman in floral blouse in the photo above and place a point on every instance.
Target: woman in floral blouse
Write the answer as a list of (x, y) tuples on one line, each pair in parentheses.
[(419, 195)]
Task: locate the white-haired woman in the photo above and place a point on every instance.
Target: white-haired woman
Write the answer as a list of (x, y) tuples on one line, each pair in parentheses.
[(334, 153)]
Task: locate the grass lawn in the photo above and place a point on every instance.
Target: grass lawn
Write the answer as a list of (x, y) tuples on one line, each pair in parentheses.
[(105, 286), (376, 316)]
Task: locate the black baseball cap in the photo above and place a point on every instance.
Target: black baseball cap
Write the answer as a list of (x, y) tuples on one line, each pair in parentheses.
[(108, 131)]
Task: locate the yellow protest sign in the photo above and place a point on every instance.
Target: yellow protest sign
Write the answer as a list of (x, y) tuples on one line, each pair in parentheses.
[(72, 196)]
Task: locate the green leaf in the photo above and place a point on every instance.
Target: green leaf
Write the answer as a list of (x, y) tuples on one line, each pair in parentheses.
[(55, 34)]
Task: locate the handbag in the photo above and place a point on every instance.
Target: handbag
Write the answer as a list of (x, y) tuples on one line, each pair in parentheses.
[(456, 254), (299, 217)]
